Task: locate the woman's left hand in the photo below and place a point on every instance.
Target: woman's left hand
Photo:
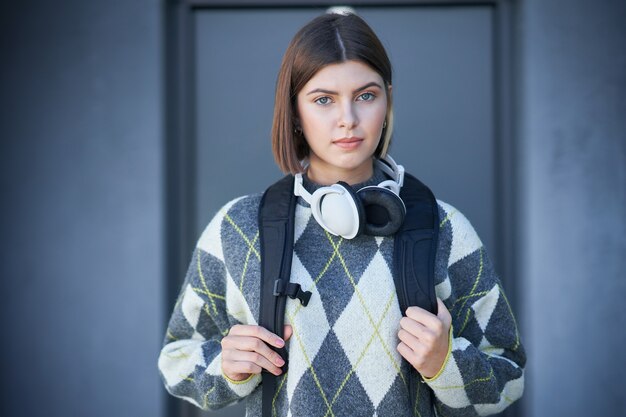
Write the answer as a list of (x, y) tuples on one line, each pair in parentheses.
[(424, 338)]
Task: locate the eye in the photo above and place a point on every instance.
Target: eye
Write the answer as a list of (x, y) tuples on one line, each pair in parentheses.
[(366, 97), (323, 100)]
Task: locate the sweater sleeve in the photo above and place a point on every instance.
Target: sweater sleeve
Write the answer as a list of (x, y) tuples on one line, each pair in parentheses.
[(190, 360), (483, 372)]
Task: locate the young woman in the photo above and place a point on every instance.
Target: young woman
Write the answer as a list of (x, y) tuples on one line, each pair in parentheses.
[(351, 350)]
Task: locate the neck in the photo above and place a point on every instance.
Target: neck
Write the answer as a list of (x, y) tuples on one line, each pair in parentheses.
[(327, 175)]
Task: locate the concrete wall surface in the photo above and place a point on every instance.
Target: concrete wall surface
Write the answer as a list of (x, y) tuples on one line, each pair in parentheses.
[(82, 208), (82, 180), (573, 156)]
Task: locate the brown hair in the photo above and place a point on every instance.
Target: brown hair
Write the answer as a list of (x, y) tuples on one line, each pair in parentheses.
[(327, 39)]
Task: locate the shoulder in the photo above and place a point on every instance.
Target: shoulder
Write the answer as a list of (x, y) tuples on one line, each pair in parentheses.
[(238, 217), (456, 232)]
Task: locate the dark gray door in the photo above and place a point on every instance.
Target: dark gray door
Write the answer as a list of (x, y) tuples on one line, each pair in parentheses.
[(443, 100)]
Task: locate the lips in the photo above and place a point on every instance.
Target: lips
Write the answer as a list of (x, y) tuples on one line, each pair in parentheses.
[(348, 143)]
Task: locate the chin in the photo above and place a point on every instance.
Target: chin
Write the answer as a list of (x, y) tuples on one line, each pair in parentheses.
[(351, 163)]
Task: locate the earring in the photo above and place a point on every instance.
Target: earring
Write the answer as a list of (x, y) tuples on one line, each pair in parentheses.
[(298, 131), (385, 124)]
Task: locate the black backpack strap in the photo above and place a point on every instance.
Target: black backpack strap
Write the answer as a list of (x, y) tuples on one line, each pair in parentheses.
[(276, 230), (415, 247)]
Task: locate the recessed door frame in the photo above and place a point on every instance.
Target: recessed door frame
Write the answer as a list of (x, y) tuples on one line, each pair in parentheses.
[(180, 141)]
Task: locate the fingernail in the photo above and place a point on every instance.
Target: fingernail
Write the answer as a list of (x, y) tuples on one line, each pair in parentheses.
[(280, 361), (280, 342)]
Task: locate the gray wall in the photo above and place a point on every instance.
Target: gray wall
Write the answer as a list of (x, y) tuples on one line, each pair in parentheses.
[(82, 208), (82, 179), (573, 155)]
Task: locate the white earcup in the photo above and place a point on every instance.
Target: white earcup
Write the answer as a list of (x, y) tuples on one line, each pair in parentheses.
[(336, 210)]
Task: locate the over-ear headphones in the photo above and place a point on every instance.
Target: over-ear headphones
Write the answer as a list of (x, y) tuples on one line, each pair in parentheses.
[(375, 210)]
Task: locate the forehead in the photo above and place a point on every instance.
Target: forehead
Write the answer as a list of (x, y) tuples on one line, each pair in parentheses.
[(348, 74)]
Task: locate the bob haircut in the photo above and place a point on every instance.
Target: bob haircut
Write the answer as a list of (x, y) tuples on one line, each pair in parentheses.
[(327, 39)]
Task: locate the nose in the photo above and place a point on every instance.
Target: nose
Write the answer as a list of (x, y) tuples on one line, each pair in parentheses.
[(348, 117)]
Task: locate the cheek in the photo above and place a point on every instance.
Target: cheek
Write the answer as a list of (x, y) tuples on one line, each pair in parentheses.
[(375, 115), (312, 120)]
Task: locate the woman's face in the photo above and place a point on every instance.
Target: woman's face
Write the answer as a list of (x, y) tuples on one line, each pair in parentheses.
[(341, 112)]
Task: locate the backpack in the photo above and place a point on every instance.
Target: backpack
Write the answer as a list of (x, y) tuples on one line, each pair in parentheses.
[(415, 246)]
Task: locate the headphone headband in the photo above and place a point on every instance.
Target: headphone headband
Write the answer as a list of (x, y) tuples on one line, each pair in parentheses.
[(395, 171)]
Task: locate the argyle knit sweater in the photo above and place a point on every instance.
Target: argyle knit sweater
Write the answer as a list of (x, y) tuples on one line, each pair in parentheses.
[(342, 355)]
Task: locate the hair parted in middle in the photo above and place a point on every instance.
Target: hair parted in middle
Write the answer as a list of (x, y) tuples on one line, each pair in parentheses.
[(328, 39)]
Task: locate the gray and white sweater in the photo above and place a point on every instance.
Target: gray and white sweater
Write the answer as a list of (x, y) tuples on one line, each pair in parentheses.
[(342, 355)]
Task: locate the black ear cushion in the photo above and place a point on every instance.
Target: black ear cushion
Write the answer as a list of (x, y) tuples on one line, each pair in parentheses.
[(357, 203), (384, 211)]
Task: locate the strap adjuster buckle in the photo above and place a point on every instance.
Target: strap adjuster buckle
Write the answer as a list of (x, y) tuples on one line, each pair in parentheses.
[(292, 290)]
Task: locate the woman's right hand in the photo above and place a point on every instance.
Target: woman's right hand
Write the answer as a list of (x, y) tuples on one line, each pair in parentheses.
[(245, 351)]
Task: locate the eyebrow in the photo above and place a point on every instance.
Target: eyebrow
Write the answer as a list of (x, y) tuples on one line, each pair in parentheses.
[(321, 90)]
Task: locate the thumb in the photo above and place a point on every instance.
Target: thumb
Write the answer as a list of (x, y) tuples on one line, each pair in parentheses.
[(443, 313), (288, 332)]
